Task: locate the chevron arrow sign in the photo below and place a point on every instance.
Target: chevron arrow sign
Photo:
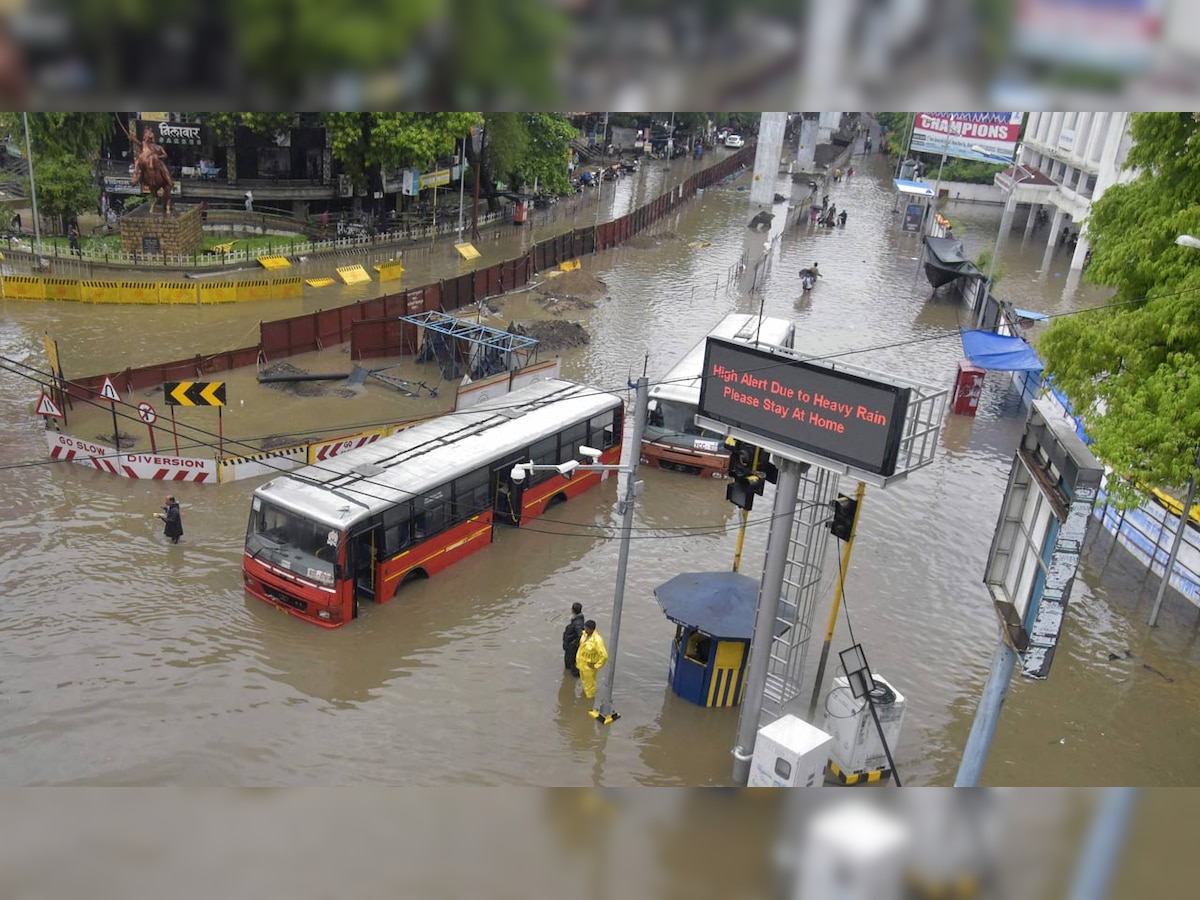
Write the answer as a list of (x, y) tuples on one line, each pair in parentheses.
[(194, 393)]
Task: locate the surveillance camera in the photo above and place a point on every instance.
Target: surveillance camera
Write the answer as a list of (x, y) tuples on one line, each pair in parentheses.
[(567, 469), (590, 452), (517, 474)]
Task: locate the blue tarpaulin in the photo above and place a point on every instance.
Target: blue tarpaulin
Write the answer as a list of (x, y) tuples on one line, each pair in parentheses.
[(1000, 353), (919, 188), (1028, 314)]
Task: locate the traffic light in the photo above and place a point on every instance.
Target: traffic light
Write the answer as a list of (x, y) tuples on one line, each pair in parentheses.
[(749, 472), (844, 509)]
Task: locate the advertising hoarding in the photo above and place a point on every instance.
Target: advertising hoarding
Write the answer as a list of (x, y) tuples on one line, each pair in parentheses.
[(955, 133)]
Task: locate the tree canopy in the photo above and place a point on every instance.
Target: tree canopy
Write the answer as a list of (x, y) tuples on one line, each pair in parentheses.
[(53, 133), (524, 148), (1131, 369), (365, 141)]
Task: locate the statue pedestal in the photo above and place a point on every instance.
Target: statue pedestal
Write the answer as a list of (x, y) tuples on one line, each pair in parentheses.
[(177, 233)]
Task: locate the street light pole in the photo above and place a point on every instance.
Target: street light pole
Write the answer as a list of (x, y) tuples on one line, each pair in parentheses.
[(603, 710), (37, 228)]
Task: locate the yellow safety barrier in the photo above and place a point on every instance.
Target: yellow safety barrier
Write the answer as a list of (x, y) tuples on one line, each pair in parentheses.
[(257, 289), (319, 282), (287, 288), (390, 271), (218, 292), (139, 292), (467, 250), (100, 291), (570, 265), (353, 274), (24, 287), (222, 248), (177, 292), (274, 262), (61, 288)]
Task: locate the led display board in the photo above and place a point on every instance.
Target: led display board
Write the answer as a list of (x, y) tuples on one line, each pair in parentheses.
[(844, 417)]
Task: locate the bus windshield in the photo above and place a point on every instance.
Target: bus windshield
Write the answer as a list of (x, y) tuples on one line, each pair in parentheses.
[(290, 541), (674, 417)]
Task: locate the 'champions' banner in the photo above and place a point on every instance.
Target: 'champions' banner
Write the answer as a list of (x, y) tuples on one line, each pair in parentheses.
[(955, 133)]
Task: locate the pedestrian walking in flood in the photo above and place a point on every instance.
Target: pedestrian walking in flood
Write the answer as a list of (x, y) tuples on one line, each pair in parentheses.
[(172, 521), (591, 657), (570, 639)]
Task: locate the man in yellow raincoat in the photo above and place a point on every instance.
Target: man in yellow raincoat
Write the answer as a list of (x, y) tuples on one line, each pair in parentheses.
[(590, 658)]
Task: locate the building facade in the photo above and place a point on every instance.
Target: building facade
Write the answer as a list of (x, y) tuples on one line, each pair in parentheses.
[(1083, 154)]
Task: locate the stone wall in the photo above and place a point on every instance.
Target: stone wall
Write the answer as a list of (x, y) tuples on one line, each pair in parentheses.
[(177, 233)]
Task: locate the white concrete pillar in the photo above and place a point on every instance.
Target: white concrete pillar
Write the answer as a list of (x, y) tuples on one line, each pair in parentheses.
[(806, 146), (1056, 223), (766, 158), (1033, 209)]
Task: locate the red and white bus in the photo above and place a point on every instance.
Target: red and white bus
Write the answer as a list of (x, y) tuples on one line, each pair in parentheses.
[(355, 527), (672, 438)]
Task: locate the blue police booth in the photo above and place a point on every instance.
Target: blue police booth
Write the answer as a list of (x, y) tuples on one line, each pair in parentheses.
[(714, 615)]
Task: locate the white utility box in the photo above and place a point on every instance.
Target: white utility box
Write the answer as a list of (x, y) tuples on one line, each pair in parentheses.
[(789, 753), (856, 746), (852, 851)]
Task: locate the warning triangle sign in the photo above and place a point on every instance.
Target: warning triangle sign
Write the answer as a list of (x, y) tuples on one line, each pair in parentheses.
[(46, 407), (108, 392)]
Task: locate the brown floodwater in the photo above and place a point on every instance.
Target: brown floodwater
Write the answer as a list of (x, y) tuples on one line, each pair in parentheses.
[(130, 661)]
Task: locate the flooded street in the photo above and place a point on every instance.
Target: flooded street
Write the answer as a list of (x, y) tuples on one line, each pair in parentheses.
[(130, 661)]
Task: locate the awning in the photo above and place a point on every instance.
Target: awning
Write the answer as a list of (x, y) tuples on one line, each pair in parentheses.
[(720, 604), (1000, 353), (912, 187), (1026, 314)]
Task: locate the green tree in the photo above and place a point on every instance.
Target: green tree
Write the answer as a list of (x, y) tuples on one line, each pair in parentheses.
[(520, 149), (1131, 369), (363, 142), (55, 133), (66, 187)]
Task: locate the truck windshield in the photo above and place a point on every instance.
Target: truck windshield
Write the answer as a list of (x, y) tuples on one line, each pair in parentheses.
[(290, 541)]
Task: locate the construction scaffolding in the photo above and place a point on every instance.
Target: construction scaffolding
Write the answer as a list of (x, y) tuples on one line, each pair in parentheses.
[(460, 346)]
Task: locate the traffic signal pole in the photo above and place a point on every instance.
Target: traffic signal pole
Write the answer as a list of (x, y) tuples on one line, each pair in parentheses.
[(741, 540), (837, 603), (782, 516)]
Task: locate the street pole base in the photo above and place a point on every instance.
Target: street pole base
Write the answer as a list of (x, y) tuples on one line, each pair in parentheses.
[(603, 719)]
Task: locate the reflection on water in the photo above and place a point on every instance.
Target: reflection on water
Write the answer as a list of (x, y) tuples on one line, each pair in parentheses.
[(128, 661)]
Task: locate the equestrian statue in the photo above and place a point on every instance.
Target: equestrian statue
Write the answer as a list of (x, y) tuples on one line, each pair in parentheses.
[(150, 168)]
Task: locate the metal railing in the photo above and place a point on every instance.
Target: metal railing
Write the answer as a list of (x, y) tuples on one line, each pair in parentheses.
[(20, 250)]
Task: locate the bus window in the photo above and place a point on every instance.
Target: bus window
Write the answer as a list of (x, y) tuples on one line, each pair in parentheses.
[(397, 529), (604, 429), (544, 453), (570, 439), (654, 416), (432, 513), (471, 496)]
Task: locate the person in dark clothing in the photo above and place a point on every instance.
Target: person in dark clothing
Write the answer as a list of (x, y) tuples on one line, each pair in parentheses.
[(172, 521), (570, 638)]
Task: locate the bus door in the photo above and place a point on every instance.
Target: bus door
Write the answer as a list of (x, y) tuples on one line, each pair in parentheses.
[(360, 564), (506, 494)]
